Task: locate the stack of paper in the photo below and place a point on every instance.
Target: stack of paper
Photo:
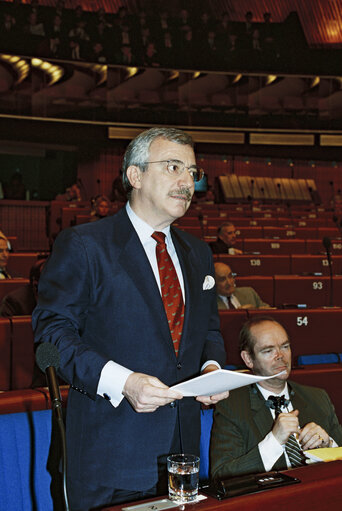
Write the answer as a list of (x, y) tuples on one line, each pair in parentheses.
[(325, 454), (218, 381)]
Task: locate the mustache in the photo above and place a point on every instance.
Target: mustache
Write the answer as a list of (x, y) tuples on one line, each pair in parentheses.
[(184, 190)]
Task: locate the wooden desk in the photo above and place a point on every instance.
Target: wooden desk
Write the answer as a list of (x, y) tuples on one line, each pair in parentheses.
[(320, 489)]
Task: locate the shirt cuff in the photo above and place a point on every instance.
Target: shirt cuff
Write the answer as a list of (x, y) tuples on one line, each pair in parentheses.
[(270, 450), (112, 381), (209, 362)]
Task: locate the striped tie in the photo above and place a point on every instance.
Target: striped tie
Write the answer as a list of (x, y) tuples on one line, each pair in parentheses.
[(170, 289), (292, 447)]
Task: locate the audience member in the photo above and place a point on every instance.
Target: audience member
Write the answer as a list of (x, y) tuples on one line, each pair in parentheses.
[(231, 297), (226, 239), (101, 208), (100, 302), (251, 433), (15, 189), (4, 257), (23, 300), (72, 194)]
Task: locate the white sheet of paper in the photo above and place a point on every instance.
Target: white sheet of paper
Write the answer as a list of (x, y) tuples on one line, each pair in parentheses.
[(218, 381)]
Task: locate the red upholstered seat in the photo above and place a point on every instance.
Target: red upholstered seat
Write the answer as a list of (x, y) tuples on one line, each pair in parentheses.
[(272, 246), (22, 352), (311, 331), (293, 289), (231, 323), (19, 265), (316, 263), (327, 377), (257, 264)]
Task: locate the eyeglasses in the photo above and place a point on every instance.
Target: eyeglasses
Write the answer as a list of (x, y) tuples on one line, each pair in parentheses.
[(177, 167)]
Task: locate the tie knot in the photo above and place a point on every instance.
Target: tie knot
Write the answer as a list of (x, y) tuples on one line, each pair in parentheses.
[(276, 402), (159, 237)]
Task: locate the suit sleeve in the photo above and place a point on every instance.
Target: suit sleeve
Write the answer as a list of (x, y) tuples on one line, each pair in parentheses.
[(59, 318), (333, 428), (229, 453)]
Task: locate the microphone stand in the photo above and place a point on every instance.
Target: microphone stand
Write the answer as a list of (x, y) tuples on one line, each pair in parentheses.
[(56, 402)]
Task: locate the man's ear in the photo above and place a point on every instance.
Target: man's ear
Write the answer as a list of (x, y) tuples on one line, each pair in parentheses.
[(134, 176), (246, 357)]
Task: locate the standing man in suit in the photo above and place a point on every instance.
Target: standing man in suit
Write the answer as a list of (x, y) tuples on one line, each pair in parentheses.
[(248, 434), (231, 297), (101, 302)]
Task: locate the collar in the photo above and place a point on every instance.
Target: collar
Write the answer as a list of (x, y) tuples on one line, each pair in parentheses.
[(267, 393), (143, 229)]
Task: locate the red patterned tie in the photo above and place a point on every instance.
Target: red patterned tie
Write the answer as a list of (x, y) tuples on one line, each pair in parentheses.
[(170, 289)]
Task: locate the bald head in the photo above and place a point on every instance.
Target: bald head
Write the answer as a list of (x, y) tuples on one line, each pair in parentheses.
[(225, 282)]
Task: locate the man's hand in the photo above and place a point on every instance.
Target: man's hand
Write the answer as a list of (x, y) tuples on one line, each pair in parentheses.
[(146, 393), (212, 400), (285, 425), (313, 436)]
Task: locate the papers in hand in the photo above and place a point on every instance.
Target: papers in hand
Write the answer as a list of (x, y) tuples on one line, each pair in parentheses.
[(218, 381)]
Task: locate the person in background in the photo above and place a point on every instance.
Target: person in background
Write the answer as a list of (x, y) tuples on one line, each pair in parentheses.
[(72, 194), (15, 189), (267, 426), (101, 208), (4, 257), (226, 239), (130, 304), (23, 300), (231, 297)]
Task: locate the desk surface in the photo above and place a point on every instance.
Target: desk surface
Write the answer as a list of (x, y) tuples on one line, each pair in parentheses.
[(320, 489)]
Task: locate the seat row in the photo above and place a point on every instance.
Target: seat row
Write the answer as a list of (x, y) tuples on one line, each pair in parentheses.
[(286, 223), (267, 264), (312, 331), (292, 291)]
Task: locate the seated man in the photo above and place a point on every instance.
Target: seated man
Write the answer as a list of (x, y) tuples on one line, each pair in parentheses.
[(4, 256), (254, 433), (231, 297), (226, 239), (22, 301)]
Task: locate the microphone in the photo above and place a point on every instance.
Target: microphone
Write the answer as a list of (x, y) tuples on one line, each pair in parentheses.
[(47, 358), (327, 245), (200, 219)]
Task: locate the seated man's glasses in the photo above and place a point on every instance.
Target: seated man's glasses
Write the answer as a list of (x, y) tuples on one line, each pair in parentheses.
[(177, 167)]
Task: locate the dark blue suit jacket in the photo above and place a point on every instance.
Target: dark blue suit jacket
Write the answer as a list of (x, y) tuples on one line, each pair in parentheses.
[(99, 301)]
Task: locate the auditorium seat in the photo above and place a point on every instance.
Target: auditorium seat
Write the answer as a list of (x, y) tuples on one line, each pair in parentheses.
[(248, 231), (311, 331), (273, 246), (313, 291), (262, 284), (19, 265), (9, 285), (23, 360), (316, 247), (327, 377), (257, 264), (307, 263), (231, 323), (5, 350)]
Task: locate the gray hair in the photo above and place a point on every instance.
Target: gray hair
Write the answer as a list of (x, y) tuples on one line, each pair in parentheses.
[(137, 152)]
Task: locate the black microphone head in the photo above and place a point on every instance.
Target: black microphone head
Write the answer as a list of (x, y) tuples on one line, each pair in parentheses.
[(200, 217), (335, 219), (326, 243), (47, 355)]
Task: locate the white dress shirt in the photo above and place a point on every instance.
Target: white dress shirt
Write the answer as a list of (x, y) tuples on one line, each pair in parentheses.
[(270, 449), (113, 376)]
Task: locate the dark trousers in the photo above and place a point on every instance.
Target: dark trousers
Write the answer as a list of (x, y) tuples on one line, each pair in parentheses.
[(84, 497)]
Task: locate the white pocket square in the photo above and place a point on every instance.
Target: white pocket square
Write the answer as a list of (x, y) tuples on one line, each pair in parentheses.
[(209, 282)]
